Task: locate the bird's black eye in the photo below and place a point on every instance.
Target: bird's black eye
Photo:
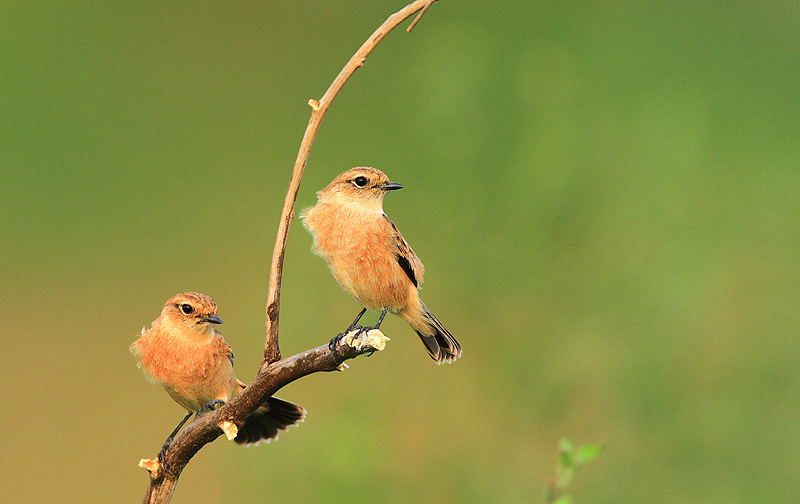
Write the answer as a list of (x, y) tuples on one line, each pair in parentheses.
[(186, 308), (360, 181)]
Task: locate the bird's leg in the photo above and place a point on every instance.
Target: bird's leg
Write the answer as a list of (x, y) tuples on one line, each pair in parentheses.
[(212, 405), (358, 317), (380, 320), (366, 329), (338, 337), (209, 405), (168, 442)]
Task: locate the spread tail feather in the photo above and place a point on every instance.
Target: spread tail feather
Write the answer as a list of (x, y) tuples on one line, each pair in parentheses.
[(265, 422), (441, 345)]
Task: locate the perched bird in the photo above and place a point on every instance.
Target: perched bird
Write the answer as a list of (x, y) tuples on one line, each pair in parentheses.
[(185, 354), (370, 259)]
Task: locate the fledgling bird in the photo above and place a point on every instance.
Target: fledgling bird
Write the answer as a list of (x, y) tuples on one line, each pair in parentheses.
[(369, 257), (185, 354)]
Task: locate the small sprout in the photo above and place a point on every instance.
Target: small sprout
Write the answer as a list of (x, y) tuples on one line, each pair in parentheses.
[(569, 461)]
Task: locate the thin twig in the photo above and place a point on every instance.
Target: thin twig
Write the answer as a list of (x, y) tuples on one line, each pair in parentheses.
[(274, 373), (419, 16)]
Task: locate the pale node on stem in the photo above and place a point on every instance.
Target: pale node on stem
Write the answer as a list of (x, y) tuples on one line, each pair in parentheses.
[(149, 464), (230, 429)]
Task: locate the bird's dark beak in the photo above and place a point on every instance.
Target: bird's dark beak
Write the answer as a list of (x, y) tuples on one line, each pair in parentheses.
[(212, 319), (390, 186)]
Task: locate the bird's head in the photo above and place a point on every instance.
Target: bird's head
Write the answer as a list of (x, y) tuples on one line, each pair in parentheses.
[(190, 310), (361, 186)]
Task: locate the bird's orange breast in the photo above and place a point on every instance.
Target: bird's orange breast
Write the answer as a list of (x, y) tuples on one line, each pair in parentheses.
[(359, 250), (192, 372)]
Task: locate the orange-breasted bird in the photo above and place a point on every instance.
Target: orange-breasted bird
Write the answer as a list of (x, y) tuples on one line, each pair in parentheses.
[(369, 257), (186, 354)]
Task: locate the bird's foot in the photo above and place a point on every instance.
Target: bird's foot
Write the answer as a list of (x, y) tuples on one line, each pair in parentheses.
[(362, 333), (161, 457), (210, 405), (361, 337), (339, 337), (366, 339)]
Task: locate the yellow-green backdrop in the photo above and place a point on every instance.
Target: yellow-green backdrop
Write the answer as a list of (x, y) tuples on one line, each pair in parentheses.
[(605, 194)]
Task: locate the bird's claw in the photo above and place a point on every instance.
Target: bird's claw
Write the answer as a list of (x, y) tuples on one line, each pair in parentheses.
[(210, 405), (361, 333), (335, 341), (161, 458)]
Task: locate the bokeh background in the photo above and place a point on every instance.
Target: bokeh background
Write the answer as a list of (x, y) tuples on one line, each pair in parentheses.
[(605, 194)]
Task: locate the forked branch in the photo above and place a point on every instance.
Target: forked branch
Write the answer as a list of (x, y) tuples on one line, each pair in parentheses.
[(274, 373)]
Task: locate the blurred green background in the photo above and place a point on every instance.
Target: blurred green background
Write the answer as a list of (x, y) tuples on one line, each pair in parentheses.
[(606, 197)]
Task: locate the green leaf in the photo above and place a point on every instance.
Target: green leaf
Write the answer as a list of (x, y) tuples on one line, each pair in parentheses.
[(585, 454)]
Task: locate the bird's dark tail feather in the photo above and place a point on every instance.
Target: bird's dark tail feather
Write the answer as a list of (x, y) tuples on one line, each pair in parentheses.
[(265, 422), (441, 345)]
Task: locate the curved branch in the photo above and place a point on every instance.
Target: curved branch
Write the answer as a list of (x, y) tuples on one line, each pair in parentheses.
[(318, 108), (274, 373)]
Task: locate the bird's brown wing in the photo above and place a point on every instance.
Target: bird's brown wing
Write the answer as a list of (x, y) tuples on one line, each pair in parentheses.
[(406, 257), (225, 346)]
